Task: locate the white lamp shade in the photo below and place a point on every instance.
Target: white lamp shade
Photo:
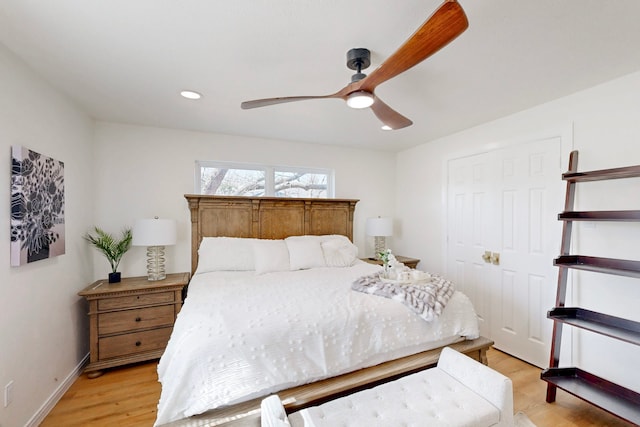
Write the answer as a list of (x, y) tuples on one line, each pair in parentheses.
[(154, 232), (379, 227)]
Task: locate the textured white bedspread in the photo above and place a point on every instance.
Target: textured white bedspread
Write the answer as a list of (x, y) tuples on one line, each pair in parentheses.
[(241, 335)]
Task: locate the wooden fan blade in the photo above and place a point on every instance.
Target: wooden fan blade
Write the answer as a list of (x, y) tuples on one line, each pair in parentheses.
[(272, 101), (446, 23), (389, 116)]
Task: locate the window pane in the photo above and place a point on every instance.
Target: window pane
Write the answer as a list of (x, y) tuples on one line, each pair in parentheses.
[(300, 184), (251, 180), (232, 182)]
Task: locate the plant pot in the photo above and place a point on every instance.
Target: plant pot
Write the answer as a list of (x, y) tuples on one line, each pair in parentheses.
[(114, 277)]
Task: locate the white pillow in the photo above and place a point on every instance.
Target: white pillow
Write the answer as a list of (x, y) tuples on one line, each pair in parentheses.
[(304, 252), (270, 255), (225, 254), (338, 251)]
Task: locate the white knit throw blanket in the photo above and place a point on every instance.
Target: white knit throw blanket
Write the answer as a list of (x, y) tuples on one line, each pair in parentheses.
[(425, 298)]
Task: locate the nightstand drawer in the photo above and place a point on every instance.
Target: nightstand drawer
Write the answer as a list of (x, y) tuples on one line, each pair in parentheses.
[(139, 342), (131, 320), (132, 301)]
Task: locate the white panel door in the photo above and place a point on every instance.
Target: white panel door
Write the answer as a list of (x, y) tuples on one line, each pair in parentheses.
[(470, 198), (509, 208)]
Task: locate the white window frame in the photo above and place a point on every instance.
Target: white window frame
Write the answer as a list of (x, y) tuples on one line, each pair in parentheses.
[(269, 174)]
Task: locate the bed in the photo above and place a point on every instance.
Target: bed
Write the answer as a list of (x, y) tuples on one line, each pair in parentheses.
[(270, 310)]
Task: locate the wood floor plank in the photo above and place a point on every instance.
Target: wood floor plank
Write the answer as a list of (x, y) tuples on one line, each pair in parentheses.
[(124, 397), (128, 397)]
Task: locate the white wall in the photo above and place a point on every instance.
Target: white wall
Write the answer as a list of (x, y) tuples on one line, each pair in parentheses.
[(605, 121), (43, 323), (144, 172)]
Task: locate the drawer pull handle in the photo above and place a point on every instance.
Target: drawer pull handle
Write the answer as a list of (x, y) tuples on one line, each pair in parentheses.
[(138, 343), (138, 319)]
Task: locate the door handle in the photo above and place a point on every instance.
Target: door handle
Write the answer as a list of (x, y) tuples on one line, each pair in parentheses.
[(495, 258), (491, 257)]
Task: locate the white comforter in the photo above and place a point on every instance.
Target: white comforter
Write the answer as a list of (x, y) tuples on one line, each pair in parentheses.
[(240, 335)]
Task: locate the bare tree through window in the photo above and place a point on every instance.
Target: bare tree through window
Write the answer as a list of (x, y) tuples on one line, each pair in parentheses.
[(263, 181)]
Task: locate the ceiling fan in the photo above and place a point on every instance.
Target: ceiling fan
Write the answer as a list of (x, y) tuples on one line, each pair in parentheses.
[(443, 26)]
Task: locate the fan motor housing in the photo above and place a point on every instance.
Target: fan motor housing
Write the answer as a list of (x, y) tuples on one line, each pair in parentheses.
[(358, 59)]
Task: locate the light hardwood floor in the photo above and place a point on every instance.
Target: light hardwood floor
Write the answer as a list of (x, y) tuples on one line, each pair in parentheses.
[(127, 397)]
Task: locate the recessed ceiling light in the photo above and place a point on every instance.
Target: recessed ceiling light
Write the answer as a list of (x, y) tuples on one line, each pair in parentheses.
[(189, 94), (385, 127)]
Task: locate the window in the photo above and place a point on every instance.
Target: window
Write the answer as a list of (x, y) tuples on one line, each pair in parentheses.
[(238, 179)]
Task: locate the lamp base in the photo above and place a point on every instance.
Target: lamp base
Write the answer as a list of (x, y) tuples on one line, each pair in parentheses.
[(155, 263), (380, 244)]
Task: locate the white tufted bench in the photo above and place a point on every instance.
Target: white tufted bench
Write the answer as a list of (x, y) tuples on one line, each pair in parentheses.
[(458, 392)]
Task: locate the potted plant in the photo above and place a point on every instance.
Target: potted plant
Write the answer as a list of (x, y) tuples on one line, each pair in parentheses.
[(111, 248)]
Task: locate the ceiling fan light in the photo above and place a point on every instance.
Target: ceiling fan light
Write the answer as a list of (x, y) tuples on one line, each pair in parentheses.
[(360, 99), (386, 127)]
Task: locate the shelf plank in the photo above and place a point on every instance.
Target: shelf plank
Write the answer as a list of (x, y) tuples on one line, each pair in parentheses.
[(631, 215), (598, 175), (611, 326), (604, 394), (619, 267)]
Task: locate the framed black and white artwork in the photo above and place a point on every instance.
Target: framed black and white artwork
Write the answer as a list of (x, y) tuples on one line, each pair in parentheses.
[(37, 206)]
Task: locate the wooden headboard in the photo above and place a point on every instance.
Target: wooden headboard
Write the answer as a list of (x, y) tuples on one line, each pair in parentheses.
[(266, 218)]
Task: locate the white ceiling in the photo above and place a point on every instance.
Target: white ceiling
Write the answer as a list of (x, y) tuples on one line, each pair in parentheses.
[(127, 60)]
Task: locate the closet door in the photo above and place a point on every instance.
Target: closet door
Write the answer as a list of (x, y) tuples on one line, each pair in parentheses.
[(470, 207), (504, 204)]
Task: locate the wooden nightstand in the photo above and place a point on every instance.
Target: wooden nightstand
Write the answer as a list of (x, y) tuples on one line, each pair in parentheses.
[(409, 262), (131, 321)]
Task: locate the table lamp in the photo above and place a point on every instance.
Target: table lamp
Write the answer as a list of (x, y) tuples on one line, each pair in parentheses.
[(155, 234), (379, 228)]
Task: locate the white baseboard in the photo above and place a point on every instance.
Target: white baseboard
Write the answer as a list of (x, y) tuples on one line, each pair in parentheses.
[(48, 405)]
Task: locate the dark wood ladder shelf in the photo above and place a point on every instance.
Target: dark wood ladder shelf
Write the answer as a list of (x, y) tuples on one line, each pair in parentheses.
[(600, 392), (604, 394), (619, 267), (599, 216), (611, 326), (600, 175)]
